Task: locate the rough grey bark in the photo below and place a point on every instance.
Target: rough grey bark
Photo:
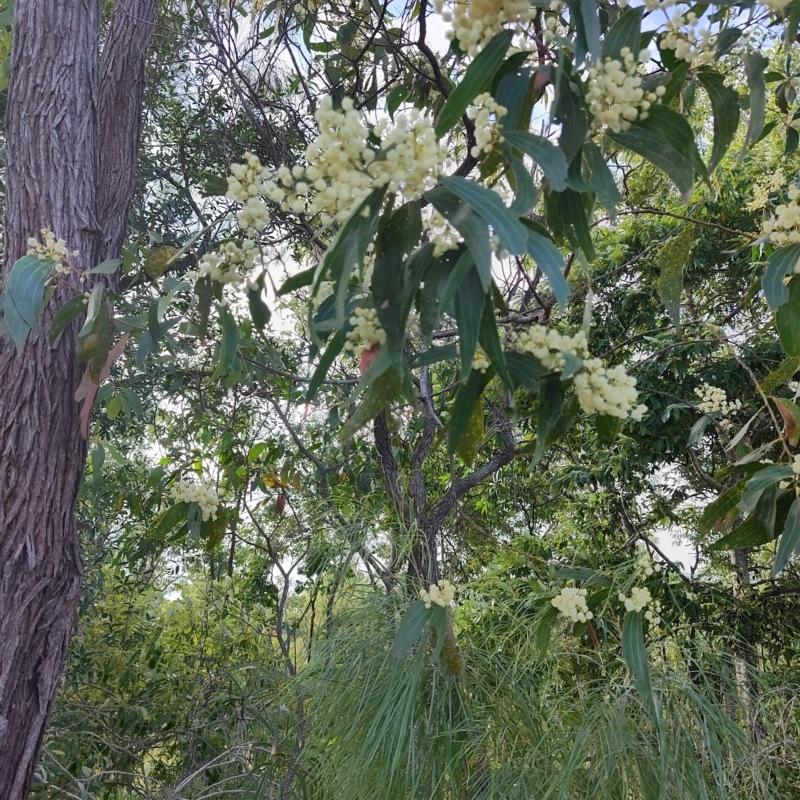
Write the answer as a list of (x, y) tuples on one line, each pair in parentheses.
[(55, 177)]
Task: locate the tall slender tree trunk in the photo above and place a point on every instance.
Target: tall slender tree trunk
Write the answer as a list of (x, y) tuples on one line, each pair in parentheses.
[(57, 176)]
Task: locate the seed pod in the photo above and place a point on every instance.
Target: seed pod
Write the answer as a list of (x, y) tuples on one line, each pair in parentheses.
[(280, 503)]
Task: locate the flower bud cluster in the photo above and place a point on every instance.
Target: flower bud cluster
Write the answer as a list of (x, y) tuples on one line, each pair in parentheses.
[(486, 112), (784, 227), (366, 331), (615, 93), (248, 183), (476, 22), (480, 362), (713, 399), (775, 6), (796, 465), (571, 603), (200, 491), (600, 390), (52, 249), (223, 264), (690, 43), (645, 566), (443, 235), (441, 594), (766, 185), (342, 168), (548, 345)]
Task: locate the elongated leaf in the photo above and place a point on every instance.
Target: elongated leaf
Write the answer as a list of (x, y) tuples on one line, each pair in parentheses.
[(672, 260), (106, 267), (13, 325), (625, 32), (587, 24), (411, 627), (490, 341), (759, 482), (433, 356), (765, 510), (525, 194), (477, 79), (550, 261), (755, 64), (466, 407), (328, 357), (382, 391), (92, 308), (488, 204), (787, 320), (229, 343), (26, 287), (600, 178), (415, 268), (525, 370), (470, 301), (782, 375), (790, 539), (635, 654), (298, 281), (576, 226), (347, 251), (588, 576), (791, 419), (724, 107), (544, 153), (259, 310), (68, 312), (470, 225), (780, 264), (665, 139), (174, 515), (569, 109), (723, 509), (551, 403)]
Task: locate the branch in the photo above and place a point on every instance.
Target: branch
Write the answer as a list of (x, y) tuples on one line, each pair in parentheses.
[(122, 71)]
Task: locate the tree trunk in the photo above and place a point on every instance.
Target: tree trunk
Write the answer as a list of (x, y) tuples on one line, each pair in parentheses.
[(54, 175)]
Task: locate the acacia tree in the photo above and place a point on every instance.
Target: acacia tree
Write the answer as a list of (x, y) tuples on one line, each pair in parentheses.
[(72, 137), (584, 61)]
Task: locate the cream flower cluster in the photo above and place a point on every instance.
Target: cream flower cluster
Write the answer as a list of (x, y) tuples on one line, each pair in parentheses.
[(571, 603), (223, 264), (639, 599), (796, 465), (480, 362), (690, 43), (366, 332), (616, 97), (600, 390), (486, 112), (713, 399), (476, 22), (775, 6), (200, 491), (438, 594), (658, 5), (610, 391), (52, 249), (248, 183), (342, 168), (784, 227), (547, 345), (766, 185), (645, 566), (443, 235)]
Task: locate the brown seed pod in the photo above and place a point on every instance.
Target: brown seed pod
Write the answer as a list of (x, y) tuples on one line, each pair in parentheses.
[(280, 503)]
